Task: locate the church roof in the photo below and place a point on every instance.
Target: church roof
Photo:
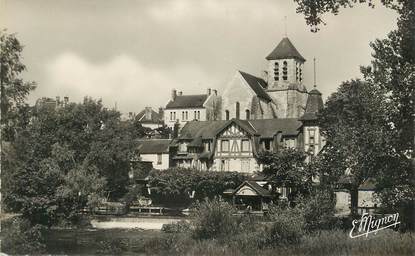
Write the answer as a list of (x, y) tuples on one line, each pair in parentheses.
[(313, 106), (187, 101), (257, 85), (285, 50)]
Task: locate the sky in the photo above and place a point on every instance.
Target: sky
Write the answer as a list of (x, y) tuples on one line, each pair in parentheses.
[(131, 54)]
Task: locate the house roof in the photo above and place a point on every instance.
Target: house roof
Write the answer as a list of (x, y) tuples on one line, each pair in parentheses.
[(265, 128), (257, 85), (313, 106), (154, 117), (285, 50), (369, 184), (187, 101), (257, 188), (153, 146)]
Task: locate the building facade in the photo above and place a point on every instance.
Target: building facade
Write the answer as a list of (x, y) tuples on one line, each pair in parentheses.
[(155, 151), (184, 108), (279, 93), (150, 119)]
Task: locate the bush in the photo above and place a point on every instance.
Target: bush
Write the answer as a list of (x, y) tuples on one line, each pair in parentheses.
[(176, 184), (213, 219), (287, 225), (21, 237), (178, 227)]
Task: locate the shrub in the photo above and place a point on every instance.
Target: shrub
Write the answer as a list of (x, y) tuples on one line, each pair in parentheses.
[(318, 210), (21, 237), (213, 219), (287, 225), (177, 227)]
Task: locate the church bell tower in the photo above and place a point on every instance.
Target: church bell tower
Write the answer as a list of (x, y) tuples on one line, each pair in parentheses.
[(285, 80)]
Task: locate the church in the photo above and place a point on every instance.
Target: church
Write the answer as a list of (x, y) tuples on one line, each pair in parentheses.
[(256, 115)]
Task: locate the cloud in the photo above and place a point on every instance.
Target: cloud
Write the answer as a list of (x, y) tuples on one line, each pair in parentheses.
[(122, 79), (231, 11)]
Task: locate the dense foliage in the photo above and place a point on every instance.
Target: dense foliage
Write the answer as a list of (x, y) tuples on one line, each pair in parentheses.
[(177, 184), (369, 125), (287, 168), (67, 158), (13, 89)]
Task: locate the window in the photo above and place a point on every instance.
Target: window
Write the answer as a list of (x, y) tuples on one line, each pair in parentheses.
[(247, 114), (207, 146), (284, 71), (224, 165), (182, 147), (297, 71), (174, 115), (237, 109), (267, 145), (245, 145), (276, 71), (198, 115), (224, 145), (159, 159), (311, 136), (300, 71), (194, 115), (171, 115), (186, 115), (226, 114), (182, 115)]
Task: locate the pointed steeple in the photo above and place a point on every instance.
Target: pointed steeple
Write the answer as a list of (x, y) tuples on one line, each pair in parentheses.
[(285, 50), (313, 106)]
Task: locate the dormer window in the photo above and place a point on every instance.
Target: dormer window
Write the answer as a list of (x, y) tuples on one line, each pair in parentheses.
[(285, 71)]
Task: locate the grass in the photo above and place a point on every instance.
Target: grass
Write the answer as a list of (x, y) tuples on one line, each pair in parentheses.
[(323, 243)]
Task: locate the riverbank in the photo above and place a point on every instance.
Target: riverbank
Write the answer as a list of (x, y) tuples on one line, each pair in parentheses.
[(145, 223), (151, 242)]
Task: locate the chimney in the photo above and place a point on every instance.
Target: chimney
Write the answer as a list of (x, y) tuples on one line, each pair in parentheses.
[(148, 113), (180, 93), (173, 95), (161, 113), (265, 76), (209, 91), (176, 130), (215, 92)]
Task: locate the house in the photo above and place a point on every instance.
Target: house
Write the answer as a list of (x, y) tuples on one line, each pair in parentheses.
[(234, 145), (250, 196), (155, 151), (279, 93), (363, 201), (366, 200), (150, 119), (184, 108), (52, 103)]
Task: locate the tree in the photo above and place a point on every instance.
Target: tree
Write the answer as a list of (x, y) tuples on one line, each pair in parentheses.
[(392, 76), (287, 168), (13, 89), (67, 158)]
